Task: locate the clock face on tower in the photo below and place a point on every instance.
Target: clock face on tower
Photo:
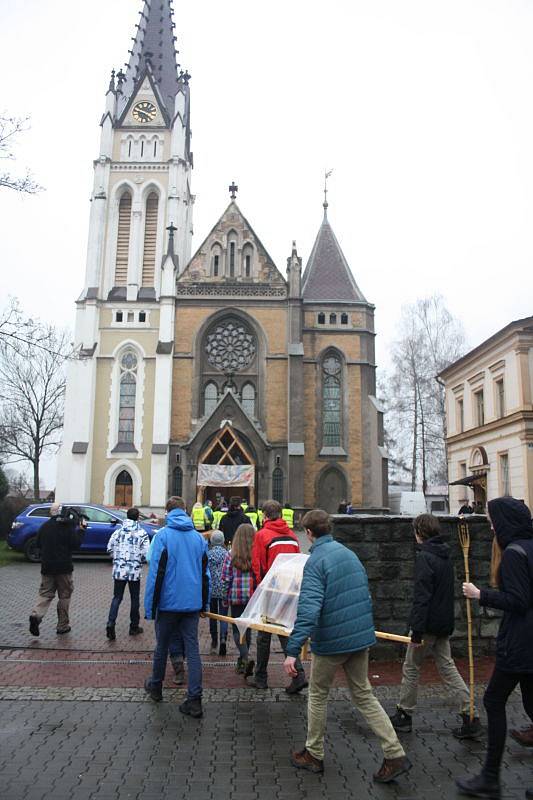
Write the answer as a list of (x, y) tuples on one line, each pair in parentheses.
[(144, 112)]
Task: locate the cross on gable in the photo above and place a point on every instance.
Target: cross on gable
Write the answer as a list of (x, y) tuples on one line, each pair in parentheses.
[(233, 189)]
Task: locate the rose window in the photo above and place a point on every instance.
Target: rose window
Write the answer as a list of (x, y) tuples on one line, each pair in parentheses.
[(230, 346)]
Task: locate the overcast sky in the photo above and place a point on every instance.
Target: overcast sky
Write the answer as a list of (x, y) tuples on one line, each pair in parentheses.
[(423, 110)]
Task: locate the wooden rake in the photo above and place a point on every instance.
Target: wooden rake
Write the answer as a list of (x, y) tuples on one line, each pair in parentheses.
[(464, 540)]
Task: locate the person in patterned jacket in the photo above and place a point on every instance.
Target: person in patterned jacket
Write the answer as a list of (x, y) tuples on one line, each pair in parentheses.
[(216, 555), (129, 547)]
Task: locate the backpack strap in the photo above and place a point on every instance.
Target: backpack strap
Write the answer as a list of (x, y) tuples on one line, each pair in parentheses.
[(517, 548), (160, 577)]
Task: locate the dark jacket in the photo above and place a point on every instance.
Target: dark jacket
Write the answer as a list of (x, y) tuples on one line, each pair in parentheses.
[(231, 521), (178, 579), (433, 596), (334, 607), (511, 520), (56, 540)]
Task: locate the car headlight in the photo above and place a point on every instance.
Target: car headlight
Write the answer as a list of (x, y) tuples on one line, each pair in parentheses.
[(15, 525)]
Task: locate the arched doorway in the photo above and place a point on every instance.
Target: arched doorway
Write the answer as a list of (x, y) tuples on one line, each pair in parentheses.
[(124, 489), (332, 489), (225, 468)]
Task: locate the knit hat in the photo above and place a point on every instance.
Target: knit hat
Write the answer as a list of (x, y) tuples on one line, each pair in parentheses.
[(217, 538)]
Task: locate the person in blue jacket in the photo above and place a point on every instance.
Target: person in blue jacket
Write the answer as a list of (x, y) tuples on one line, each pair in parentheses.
[(177, 591), (335, 610)]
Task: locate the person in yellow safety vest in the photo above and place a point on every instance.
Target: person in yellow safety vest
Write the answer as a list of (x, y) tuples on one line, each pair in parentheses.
[(217, 516), (252, 515), (287, 514), (199, 518), (259, 518), (244, 506)]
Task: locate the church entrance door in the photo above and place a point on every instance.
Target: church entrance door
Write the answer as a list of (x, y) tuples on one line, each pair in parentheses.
[(124, 490), (226, 468), (331, 490)]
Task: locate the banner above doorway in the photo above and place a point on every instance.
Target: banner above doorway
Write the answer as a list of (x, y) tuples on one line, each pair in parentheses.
[(226, 475)]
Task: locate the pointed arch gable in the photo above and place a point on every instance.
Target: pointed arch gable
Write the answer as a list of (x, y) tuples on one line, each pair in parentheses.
[(110, 479)]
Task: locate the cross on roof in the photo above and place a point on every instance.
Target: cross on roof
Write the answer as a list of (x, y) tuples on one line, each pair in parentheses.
[(233, 189)]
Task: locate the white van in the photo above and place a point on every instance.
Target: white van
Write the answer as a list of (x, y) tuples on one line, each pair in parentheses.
[(412, 504)]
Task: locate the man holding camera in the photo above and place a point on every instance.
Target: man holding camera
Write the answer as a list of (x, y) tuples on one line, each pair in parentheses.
[(57, 539)]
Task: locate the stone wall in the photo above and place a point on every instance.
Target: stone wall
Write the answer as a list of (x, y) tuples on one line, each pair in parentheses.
[(386, 547)]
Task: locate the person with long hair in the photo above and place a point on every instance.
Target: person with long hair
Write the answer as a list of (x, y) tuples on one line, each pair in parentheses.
[(512, 576), (238, 584)]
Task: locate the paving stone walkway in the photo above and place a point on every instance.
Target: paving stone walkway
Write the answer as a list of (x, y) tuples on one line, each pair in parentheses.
[(101, 748)]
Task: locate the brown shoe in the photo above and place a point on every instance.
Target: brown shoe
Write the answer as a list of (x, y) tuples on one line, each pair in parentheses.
[(523, 737), (392, 768), (302, 759)]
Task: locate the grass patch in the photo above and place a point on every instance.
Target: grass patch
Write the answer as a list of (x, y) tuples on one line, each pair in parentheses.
[(8, 556)]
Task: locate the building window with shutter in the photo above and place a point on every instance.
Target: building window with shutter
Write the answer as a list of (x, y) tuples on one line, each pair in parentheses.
[(480, 407), (123, 240), (500, 398), (331, 401), (150, 239), (505, 481), (460, 415)]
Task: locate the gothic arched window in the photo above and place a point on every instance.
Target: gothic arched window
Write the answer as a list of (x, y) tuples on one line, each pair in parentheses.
[(232, 254), (331, 400), (177, 482), (248, 399), (247, 260), (321, 319), (332, 319), (150, 239), (210, 397), (123, 240), (344, 319), (128, 391), (277, 485), (216, 260)]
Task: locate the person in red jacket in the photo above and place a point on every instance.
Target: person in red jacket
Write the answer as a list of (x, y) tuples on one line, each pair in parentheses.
[(274, 537)]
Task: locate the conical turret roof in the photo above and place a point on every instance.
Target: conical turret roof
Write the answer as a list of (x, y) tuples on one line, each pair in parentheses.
[(327, 276)]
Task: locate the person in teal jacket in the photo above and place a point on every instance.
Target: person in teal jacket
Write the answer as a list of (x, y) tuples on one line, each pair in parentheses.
[(335, 610), (177, 591)]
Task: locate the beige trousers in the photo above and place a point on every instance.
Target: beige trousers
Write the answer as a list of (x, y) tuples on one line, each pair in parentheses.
[(50, 584), (355, 666), (439, 647)]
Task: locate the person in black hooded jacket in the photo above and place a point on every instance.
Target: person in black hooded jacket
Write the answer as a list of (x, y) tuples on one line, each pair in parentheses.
[(431, 622), (511, 522), (231, 521)]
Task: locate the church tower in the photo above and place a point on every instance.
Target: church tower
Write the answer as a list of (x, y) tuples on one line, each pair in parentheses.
[(118, 400)]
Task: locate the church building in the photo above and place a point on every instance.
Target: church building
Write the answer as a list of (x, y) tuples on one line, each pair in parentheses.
[(215, 373)]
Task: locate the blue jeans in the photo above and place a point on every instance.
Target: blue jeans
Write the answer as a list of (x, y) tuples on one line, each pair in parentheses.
[(216, 607), (167, 625), (118, 594), (244, 648)]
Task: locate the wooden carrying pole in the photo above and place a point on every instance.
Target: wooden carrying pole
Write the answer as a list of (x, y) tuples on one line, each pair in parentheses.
[(464, 539), (279, 630)]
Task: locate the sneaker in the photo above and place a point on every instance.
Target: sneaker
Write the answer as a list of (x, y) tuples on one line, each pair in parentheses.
[(192, 707), (302, 759), (179, 671), (479, 786), (222, 649), (391, 769), (297, 684), (135, 630), (470, 729), (258, 683), (34, 626), (156, 693), (249, 669), (240, 666), (110, 632), (65, 630), (402, 722), (523, 737)]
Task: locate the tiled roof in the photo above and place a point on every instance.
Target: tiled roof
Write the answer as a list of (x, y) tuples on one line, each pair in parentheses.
[(154, 37), (327, 275)]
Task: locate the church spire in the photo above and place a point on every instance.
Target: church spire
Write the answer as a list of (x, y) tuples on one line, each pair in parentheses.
[(154, 50)]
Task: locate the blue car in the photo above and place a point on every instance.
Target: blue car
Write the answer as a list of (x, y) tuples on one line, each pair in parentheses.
[(101, 523)]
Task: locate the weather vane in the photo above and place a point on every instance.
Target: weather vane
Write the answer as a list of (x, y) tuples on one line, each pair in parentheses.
[(327, 174), (233, 189)]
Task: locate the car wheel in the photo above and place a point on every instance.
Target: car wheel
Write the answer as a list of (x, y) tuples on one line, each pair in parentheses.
[(31, 551)]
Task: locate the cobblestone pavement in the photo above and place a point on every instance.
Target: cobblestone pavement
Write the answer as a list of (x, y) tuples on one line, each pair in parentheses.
[(101, 749)]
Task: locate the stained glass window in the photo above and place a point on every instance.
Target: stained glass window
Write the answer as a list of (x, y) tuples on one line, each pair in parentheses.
[(248, 399), (177, 482), (331, 401), (128, 391), (277, 485), (210, 398)]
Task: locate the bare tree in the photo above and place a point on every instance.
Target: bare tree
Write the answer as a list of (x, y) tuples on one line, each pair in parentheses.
[(32, 388), (10, 129), (429, 338)]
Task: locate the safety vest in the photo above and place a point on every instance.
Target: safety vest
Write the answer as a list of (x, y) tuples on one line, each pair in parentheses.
[(260, 517), (208, 513), (198, 519), (217, 517), (244, 506), (253, 517), (288, 515)]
